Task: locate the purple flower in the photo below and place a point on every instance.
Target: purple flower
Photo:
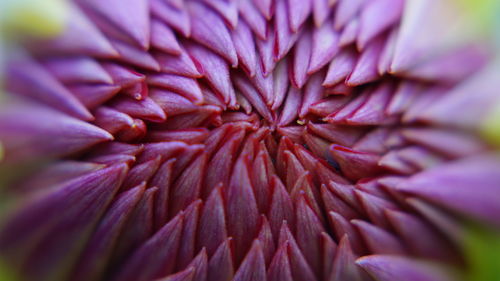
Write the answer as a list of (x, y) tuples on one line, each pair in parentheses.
[(213, 140)]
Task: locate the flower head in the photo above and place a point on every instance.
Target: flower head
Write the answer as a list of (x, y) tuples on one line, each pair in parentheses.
[(251, 140)]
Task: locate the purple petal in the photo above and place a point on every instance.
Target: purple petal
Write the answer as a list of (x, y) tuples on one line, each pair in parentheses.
[(209, 30), (387, 268), (122, 19), (163, 38), (325, 46), (156, 257)]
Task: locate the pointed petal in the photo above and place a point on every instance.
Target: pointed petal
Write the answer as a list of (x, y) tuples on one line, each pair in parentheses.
[(26, 77), (188, 87), (179, 64), (212, 226), (366, 69), (31, 131), (128, 19), (156, 257), (245, 47), (215, 70), (187, 187), (43, 239), (301, 58), (378, 240), (241, 204), (209, 29), (253, 267), (472, 193), (176, 17), (372, 24), (186, 250), (220, 265), (163, 38), (97, 252), (325, 45), (340, 67), (255, 20), (279, 270), (387, 268)]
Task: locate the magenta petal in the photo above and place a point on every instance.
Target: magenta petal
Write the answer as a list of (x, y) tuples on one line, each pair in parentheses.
[(325, 45), (26, 77), (301, 270), (185, 86), (264, 84), (279, 269), (98, 250), (228, 10), (372, 24), (366, 69), (60, 237), (285, 38), (280, 84), (163, 38), (245, 47), (243, 223), (344, 267), (212, 226), (219, 168), (313, 92), (215, 70), (265, 7), (251, 94), (449, 143), (70, 41), (184, 275), (220, 265), (253, 267), (44, 133), (146, 108), (372, 112), (387, 268), (179, 64), (291, 107), (156, 257), (172, 103), (301, 58), (430, 243), (340, 67), (209, 30), (281, 208), (254, 18), (77, 70), (122, 19), (163, 180), (186, 250), (135, 56), (329, 249), (378, 240), (321, 11), (346, 10), (472, 194), (176, 17), (349, 33), (94, 95), (298, 11), (266, 51), (187, 187), (309, 229), (355, 164)]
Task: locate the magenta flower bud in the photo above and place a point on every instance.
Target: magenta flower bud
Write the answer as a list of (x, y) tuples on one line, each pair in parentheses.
[(249, 140)]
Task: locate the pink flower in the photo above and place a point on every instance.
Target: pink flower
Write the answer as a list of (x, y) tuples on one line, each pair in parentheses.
[(212, 140)]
